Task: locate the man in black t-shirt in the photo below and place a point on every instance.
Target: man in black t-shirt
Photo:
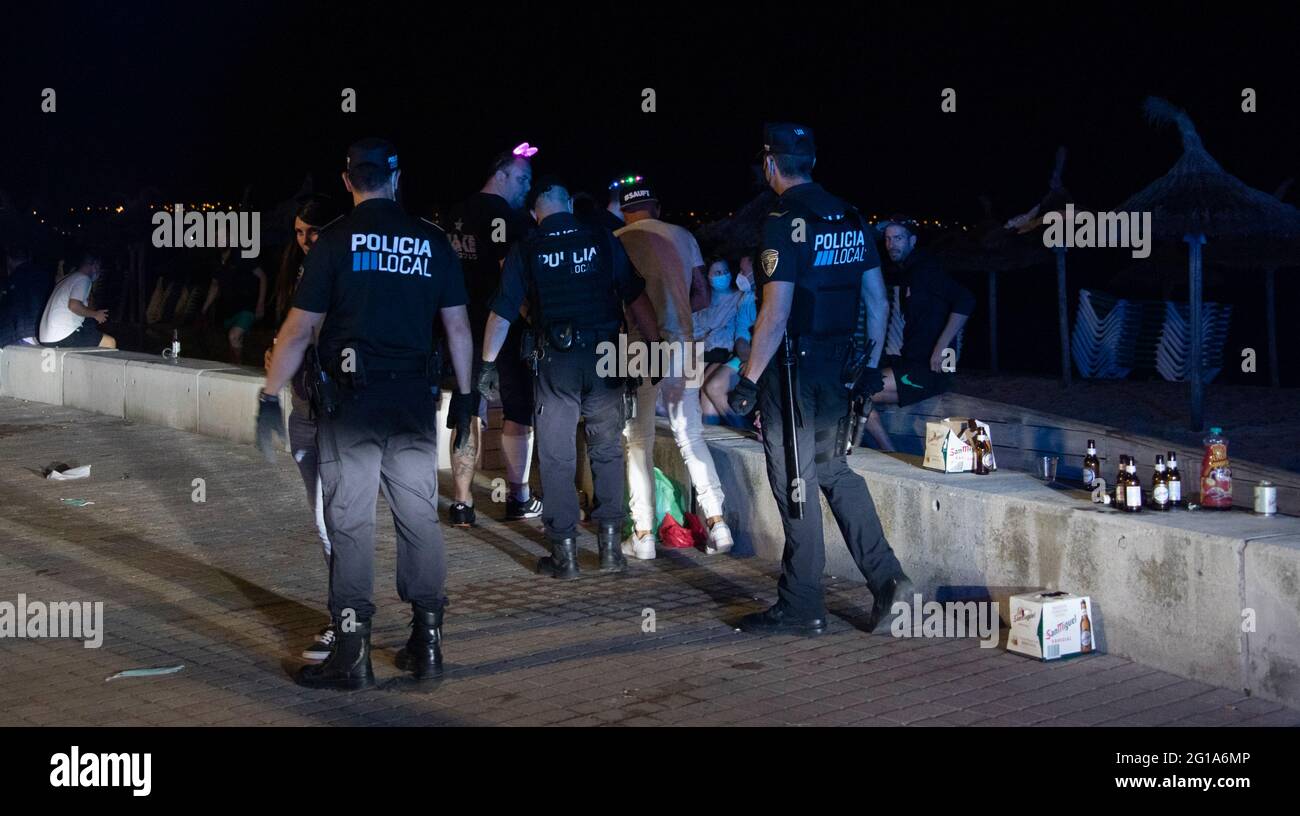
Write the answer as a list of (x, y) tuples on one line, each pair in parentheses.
[(374, 285), (935, 307), (482, 229)]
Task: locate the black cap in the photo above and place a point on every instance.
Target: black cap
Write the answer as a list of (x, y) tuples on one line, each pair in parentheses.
[(633, 190), (787, 138), (373, 151)]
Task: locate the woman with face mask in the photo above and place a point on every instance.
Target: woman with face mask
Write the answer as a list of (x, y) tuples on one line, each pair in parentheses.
[(724, 327), (313, 215)]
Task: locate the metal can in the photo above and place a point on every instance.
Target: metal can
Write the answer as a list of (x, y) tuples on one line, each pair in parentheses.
[(1266, 499)]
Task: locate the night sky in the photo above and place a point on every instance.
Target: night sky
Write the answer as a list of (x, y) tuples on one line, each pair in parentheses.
[(200, 103)]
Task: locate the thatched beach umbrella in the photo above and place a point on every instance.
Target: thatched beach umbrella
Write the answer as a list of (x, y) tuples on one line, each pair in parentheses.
[(1197, 201)]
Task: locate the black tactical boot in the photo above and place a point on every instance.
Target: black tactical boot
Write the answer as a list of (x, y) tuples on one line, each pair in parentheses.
[(422, 655), (563, 560), (611, 547), (895, 590), (348, 666)]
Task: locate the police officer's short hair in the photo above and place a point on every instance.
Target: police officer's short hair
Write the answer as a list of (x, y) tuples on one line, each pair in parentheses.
[(366, 178), (547, 186), (792, 165)]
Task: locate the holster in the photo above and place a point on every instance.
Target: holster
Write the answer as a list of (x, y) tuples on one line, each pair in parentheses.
[(530, 350), (560, 335), (322, 389), (630, 386)]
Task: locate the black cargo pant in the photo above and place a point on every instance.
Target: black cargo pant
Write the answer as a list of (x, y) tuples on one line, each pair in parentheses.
[(568, 387), (823, 401), (382, 437)]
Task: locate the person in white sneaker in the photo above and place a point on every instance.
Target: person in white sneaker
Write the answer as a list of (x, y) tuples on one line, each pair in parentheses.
[(669, 259)]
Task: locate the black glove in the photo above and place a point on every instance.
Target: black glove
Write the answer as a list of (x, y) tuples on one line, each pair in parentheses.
[(743, 397), (270, 425), (489, 382), (462, 409)]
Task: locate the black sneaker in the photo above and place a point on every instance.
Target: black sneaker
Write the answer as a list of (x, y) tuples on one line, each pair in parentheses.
[(320, 650), (461, 514), (526, 509)]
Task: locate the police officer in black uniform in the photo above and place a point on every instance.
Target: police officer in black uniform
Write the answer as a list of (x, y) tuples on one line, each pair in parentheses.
[(576, 279), (374, 285), (814, 254)]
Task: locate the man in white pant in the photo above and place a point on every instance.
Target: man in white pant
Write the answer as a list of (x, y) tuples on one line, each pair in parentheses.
[(669, 259)]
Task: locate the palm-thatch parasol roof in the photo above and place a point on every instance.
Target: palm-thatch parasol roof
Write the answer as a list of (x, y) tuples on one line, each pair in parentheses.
[(739, 234), (1197, 196), (994, 250)]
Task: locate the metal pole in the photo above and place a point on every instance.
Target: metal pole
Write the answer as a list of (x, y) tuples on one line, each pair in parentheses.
[(1195, 351), (1061, 315), (993, 321), (1270, 303)]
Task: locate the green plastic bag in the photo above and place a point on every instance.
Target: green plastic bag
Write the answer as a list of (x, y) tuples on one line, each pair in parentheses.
[(668, 500)]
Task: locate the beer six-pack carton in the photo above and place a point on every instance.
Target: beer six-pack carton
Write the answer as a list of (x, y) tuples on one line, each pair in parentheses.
[(1051, 625), (947, 448)]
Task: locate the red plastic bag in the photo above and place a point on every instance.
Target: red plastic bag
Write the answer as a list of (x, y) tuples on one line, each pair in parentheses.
[(674, 536), (698, 532)]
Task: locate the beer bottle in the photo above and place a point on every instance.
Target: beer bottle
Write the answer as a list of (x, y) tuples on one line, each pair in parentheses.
[(1174, 482), (1132, 488), (1120, 476), (1160, 485), (1085, 628), (983, 454), (1091, 465)]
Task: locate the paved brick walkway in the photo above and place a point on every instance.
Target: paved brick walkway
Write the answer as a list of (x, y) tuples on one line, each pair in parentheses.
[(232, 588)]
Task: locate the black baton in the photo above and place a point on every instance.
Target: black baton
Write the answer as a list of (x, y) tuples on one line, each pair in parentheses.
[(791, 418)]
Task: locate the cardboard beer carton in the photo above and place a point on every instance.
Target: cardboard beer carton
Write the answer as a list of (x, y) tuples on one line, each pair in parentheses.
[(948, 450), (1051, 625)]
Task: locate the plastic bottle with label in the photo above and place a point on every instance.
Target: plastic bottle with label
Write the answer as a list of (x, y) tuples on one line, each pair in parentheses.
[(1216, 472)]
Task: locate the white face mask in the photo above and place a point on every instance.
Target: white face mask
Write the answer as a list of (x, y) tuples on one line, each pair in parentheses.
[(720, 283), (742, 283)]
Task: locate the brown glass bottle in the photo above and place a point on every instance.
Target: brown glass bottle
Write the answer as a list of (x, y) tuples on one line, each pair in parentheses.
[(1091, 465), (1174, 481), (1160, 485), (1132, 489), (983, 454), (1085, 628)]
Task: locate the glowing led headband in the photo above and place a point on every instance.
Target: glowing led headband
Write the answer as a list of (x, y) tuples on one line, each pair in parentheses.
[(625, 182), (524, 151)]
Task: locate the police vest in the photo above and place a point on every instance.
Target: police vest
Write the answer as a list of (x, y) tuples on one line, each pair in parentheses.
[(572, 278), (838, 251)]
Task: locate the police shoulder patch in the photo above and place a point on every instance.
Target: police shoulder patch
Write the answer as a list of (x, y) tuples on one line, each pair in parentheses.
[(769, 258)]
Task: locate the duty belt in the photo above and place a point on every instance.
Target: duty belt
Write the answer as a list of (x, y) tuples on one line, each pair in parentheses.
[(555, 337), (833, 347)]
